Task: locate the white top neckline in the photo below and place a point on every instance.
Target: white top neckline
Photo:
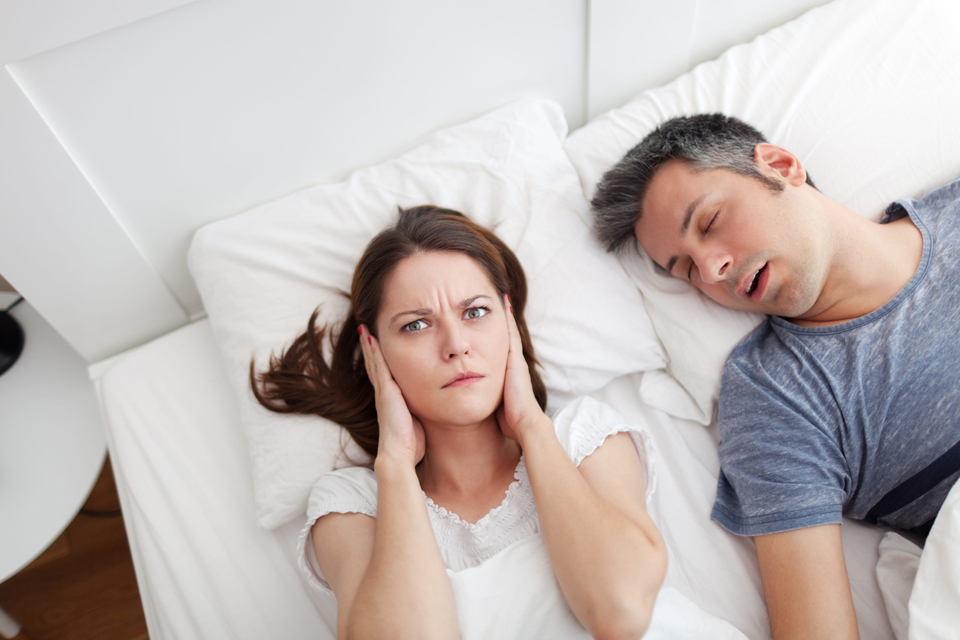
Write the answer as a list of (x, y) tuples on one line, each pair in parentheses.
[(519, 479), (581, 428), (464, 544)]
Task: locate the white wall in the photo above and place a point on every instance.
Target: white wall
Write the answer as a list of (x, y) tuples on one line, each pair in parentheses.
[(125, 126), (206, 110), (62, 248), (638, 45), (29, 27)]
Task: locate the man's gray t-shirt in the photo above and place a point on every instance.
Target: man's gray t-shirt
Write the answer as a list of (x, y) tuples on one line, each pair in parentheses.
[(819, 422)]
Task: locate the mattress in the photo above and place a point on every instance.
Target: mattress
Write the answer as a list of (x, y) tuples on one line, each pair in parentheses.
[(206, 569)]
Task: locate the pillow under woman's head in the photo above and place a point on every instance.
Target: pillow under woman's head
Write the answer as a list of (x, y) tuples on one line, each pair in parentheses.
[(263, 272), (431, 254)]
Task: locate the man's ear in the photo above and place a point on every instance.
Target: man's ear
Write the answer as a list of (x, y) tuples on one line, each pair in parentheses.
[(772, 160)]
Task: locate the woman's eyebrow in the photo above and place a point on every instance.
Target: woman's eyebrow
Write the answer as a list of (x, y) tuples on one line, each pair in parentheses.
[(465, 304), (412, 312), (469, 301)]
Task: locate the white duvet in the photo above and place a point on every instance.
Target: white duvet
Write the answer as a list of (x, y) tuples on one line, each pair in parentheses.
[(840, 86), (935, 600), (488, 610)]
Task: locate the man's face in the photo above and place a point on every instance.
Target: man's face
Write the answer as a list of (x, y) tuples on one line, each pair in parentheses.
[(742, 244)]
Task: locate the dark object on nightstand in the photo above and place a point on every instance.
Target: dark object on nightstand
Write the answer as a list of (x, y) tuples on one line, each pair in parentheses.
[(11, 341)]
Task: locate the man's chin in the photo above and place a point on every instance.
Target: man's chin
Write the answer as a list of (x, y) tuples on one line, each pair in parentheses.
[(739, 304)]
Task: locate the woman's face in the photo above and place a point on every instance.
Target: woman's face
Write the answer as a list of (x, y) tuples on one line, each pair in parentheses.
[(443, 333)]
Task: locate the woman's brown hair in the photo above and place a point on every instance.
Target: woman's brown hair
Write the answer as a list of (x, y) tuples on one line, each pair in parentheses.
[(300, 380)]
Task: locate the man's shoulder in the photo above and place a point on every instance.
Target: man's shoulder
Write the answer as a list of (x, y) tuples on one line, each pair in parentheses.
[(763, 344), (773, 362), (929, 207), (944, 196)]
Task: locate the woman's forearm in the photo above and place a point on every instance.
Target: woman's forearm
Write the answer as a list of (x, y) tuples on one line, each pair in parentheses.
[(405, 592), (610, 565)]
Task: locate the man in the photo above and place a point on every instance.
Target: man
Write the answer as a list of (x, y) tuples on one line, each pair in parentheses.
[(847, 399)]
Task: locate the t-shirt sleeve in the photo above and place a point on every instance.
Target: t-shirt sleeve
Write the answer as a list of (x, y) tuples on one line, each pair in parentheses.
[(584, 424), (781, 467), (349, 490)]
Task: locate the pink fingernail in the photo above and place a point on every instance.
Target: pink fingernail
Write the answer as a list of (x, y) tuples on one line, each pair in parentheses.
[(370, 339), (360, 330)]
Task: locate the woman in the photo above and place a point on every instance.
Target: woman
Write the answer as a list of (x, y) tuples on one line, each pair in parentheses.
[(475, 520)]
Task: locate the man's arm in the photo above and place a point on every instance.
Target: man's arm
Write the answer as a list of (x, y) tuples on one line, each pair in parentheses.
[(806, 585)]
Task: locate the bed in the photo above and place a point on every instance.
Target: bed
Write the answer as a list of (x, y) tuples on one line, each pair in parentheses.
[(212, 488)]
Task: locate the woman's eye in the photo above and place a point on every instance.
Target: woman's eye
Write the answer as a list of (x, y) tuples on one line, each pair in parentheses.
[(416, 325), (476, 313), (690, 272)]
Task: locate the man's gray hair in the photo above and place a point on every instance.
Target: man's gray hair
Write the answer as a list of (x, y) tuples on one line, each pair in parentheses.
[(704, 142)]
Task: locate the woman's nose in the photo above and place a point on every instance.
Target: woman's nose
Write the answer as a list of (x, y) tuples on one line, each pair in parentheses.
[(455, 343)]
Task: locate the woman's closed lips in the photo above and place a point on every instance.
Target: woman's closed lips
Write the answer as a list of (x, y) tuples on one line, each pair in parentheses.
[(461, 379)]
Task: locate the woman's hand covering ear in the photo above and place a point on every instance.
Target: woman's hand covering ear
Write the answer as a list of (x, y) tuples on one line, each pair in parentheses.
[(520, 411), (401, 434)]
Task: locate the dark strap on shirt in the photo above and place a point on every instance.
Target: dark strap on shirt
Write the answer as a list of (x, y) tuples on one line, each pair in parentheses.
[(917, 485)]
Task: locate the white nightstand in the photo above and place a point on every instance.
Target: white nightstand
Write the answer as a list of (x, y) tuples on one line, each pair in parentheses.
[(52, 442)]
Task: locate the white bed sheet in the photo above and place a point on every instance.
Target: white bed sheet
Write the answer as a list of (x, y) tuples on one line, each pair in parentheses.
[(712, 567), (204, 566), (207, 570)]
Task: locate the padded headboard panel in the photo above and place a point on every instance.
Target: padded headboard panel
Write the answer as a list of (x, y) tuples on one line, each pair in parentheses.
[(124, 130)]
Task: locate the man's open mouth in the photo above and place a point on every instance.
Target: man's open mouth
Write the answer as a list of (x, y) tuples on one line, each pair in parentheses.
[(756, 281)]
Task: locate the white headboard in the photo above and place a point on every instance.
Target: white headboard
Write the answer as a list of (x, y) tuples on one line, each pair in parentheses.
[(123, 129)]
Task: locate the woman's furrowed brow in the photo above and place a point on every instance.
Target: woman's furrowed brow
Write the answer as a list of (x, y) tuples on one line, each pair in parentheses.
[(412, 312), (465, 304)]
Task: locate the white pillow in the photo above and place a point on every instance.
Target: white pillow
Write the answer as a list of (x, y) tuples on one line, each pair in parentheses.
[(262, 273), (865, 92)]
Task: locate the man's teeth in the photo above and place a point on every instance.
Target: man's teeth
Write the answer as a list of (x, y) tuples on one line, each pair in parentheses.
[(756, 281)]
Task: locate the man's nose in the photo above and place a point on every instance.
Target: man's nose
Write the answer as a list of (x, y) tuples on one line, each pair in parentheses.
[(714, 265)]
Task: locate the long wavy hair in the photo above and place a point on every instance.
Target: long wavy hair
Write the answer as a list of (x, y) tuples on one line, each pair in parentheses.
[(300, 380)]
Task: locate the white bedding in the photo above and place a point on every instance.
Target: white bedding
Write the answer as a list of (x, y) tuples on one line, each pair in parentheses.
[(207, 570), (205, 567)]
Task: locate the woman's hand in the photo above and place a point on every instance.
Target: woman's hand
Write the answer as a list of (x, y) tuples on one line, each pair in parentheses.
[(401, 434), (520, 411)]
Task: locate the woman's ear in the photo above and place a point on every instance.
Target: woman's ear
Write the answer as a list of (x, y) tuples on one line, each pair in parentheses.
[(774, 161)]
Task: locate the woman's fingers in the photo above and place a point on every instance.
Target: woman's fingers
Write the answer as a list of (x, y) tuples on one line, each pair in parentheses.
[(376, 366), (399, 429), (516, 344), (515, 358), (520, 407), (368, 357)]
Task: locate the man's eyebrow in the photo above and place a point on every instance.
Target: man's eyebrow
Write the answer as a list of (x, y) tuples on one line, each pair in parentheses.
[(684, 228), (464, 304), (689, 215)]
